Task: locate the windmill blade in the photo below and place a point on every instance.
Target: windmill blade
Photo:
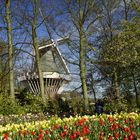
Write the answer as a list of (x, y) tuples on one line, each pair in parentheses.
[(62, 40)]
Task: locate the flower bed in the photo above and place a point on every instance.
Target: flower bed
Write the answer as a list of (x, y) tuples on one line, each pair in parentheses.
[(16, 119), (118, 126)]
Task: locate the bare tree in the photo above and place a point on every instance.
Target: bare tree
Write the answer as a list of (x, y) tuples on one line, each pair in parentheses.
[(79, 23), (34, 38), (10, 49)]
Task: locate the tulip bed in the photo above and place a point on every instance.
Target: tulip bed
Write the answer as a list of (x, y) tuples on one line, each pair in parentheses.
[(122, 126)]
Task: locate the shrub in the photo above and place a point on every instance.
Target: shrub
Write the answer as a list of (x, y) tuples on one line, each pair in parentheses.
[(8, 106), (53, 107), (113, 106), (34, 103), (76, 105)]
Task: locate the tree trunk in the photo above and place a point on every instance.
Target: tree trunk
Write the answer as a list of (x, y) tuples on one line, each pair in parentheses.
[(1, 75), (92, 84), (115, 84), (135, 90), (10, 50), (83, 76), (81, 61), (37, 55)]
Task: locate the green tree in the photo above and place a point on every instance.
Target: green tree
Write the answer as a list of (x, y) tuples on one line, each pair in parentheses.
[(123, 52)]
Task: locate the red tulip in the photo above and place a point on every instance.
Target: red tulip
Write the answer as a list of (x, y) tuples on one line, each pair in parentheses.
[(125, 138), (130, 120), (57, 126), (120, 126), (71, 137), (81, 122), (39, 138), (65, 126), (131, 126), (101, 136), (133, 133), (127, 129), (20, 132), (116, 135), (5, 136), (32, 133), (110, 138), (114, 125), (112, 128), (101, 133), (110, 119), (83, 134), (66, 132), (74, 135), (47, 132), (130, 137), (40, 135), (126, 121), (40, 131), (25, 132), (78, 133), (62, 134), (101, 122)]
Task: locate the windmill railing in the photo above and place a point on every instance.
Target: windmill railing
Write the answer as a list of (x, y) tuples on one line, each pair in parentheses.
[(52, 82)]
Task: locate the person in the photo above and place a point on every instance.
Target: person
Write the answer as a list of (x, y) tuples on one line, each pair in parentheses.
[(99, 107)]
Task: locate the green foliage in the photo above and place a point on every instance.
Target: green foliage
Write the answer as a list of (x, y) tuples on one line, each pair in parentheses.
[(115, 106), (76, 105), (33, 103), (123, 49), (8, 106), (53, 107), (28, 104)]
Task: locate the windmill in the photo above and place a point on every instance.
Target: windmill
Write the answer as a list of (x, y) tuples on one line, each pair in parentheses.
[(54, 69)]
